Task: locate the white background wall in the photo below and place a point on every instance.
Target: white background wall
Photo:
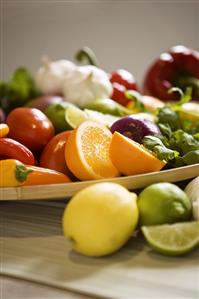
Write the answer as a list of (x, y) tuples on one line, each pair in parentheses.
[(123, 34)]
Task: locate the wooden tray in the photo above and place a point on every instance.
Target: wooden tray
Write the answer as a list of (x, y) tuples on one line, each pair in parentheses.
[(63, 191)]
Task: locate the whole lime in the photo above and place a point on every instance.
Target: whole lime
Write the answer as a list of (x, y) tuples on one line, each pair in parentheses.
[(56, 113), (163, 203)]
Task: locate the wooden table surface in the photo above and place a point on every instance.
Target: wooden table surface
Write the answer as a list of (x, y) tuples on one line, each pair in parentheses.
[(11, 288)]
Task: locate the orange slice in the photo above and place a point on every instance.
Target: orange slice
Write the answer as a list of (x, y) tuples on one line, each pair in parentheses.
[(87, 152), (130, 158)]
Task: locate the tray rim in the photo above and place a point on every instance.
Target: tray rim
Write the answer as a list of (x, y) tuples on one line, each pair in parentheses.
[(66, 190)]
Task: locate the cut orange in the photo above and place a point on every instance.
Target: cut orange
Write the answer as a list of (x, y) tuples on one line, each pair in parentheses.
[(87, 152), (131, 158)]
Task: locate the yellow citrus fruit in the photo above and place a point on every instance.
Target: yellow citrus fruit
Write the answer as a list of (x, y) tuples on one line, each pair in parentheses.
[(87, 152), (100, 219), (131, 158)]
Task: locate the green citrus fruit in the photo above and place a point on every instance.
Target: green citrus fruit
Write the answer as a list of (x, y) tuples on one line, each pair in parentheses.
[(173, 239), (163, 203), (56, 113), (74, 116)]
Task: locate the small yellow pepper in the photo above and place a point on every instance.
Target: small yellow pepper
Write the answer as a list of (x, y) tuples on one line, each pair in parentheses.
[(4, 130), (13, 173)]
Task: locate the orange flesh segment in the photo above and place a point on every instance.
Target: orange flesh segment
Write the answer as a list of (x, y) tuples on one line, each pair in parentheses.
[(87, 152), (96, 153), (130, 158)]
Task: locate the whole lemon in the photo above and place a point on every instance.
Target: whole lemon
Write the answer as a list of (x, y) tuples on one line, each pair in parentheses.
[(100, 219), (163, 203)]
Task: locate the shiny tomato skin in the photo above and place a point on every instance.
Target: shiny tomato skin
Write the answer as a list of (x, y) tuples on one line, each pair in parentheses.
[(124, 78), (31, 127), (119, 94), (53, 155)]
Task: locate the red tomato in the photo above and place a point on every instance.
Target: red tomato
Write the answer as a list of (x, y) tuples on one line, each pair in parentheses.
[(31, 127), (124, 78), (119, 94), (53, 156)]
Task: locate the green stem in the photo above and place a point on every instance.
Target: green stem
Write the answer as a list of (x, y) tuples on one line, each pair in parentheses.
[(22, 172), (88, 55), (193, 82)]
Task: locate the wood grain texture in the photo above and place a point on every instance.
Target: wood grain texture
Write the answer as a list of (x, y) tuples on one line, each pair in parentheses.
[(12, 288), (32, 247), (61, 191)]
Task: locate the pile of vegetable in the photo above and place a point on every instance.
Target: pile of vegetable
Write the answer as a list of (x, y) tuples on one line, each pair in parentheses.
[(41, 114)]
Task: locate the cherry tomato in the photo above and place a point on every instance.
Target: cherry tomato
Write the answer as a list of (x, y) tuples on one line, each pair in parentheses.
[(30, 127), (124, 78), (53, 156), (119, 94)]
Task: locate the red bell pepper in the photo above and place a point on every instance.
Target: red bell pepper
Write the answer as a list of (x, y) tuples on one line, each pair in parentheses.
[(122, 80), (12, 149), (179, 67)]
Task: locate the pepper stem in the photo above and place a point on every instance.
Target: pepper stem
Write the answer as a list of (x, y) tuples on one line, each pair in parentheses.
[(22, 172), (185, 81), (88, 55)]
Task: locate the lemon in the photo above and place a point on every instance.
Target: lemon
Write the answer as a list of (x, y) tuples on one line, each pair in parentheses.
[(173, 239), (163, 203), (100, 219)]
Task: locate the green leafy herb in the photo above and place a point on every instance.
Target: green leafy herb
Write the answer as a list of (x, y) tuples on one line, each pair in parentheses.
[(167, 116), (18, 90), (178, 143), (185, 97), (157, 146), (136, 98), (183, 142)]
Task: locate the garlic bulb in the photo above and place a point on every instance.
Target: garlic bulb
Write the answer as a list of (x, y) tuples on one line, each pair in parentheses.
[(49, 77), (192, 190), (86, 84)]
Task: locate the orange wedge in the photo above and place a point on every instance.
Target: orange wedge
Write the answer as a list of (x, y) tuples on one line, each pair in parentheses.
[(130, 158), (87, 152)]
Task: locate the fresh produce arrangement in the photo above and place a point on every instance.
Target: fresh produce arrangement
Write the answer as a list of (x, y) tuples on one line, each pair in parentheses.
[(110, 126), (100, 219), (71, 122)]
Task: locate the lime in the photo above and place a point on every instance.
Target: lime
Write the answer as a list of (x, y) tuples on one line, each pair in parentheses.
[(105, 119), (163, 203), (74, 116), (56, 113), (173, 239), (108, 106)]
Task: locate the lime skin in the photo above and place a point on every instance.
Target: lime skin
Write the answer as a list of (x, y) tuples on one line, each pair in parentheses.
[(163, 203)]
